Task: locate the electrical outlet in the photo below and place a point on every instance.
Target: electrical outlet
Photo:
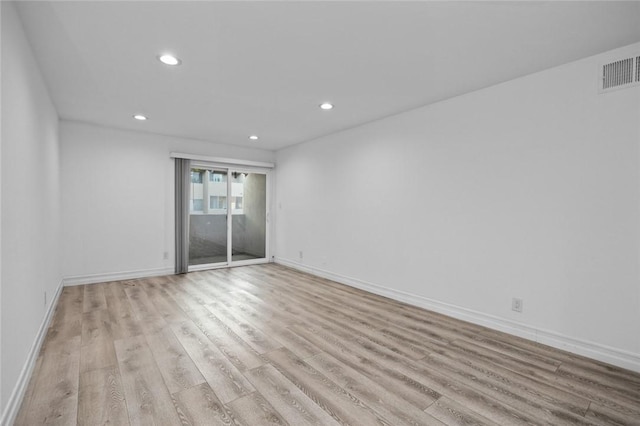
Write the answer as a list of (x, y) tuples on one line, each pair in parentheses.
[(45, 299), (516, 304), (165, 256), (301, 255)]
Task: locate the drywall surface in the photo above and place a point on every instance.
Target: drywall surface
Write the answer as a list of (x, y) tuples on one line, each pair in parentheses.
[(527, 189), (2, 404), (30, 200), (118, 198)]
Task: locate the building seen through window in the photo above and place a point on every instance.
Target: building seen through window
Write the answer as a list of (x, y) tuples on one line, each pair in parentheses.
[(196, 176), (209, 192)]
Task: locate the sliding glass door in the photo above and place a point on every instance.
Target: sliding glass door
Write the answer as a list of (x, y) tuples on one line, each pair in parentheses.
[(208, 217), (227, 217), (249, 216)]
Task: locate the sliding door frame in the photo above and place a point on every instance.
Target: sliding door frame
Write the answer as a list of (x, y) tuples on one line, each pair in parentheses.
[(239, 168)]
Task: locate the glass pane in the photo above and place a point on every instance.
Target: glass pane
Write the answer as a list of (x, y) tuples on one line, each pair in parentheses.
[(218, 176), (217, 202), (196, 175), (208, 220), (249, 214)]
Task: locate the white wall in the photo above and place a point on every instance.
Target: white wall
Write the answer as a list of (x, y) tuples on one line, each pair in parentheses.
[(118, 192), (30, 201), (2, 405), (526, 189)]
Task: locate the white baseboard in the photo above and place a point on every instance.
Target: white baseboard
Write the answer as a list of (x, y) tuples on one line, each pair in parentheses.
[(15, 399), (116, 276), (614, 356)]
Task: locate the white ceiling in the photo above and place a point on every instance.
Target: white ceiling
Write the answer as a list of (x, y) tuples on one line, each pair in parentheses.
[(264, 67)]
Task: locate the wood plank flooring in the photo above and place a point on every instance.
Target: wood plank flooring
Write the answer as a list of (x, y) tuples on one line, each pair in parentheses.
[(264, 344)]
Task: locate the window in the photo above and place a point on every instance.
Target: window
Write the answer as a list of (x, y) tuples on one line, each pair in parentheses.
[(218, 177), (236, 204), (196, 176), (217, 202)]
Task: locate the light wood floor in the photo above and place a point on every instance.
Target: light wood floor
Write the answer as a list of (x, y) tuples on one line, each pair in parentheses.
[(269, 345)]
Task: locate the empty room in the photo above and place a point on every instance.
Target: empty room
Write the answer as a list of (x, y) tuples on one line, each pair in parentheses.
[(327, 213)]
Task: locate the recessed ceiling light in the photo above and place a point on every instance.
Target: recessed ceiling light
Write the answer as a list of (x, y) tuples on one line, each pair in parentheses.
[(169, 60), (253, 137), (140, 117), (326, 106)]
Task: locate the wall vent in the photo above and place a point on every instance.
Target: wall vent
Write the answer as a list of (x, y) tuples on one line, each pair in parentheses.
[(620, 74)]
